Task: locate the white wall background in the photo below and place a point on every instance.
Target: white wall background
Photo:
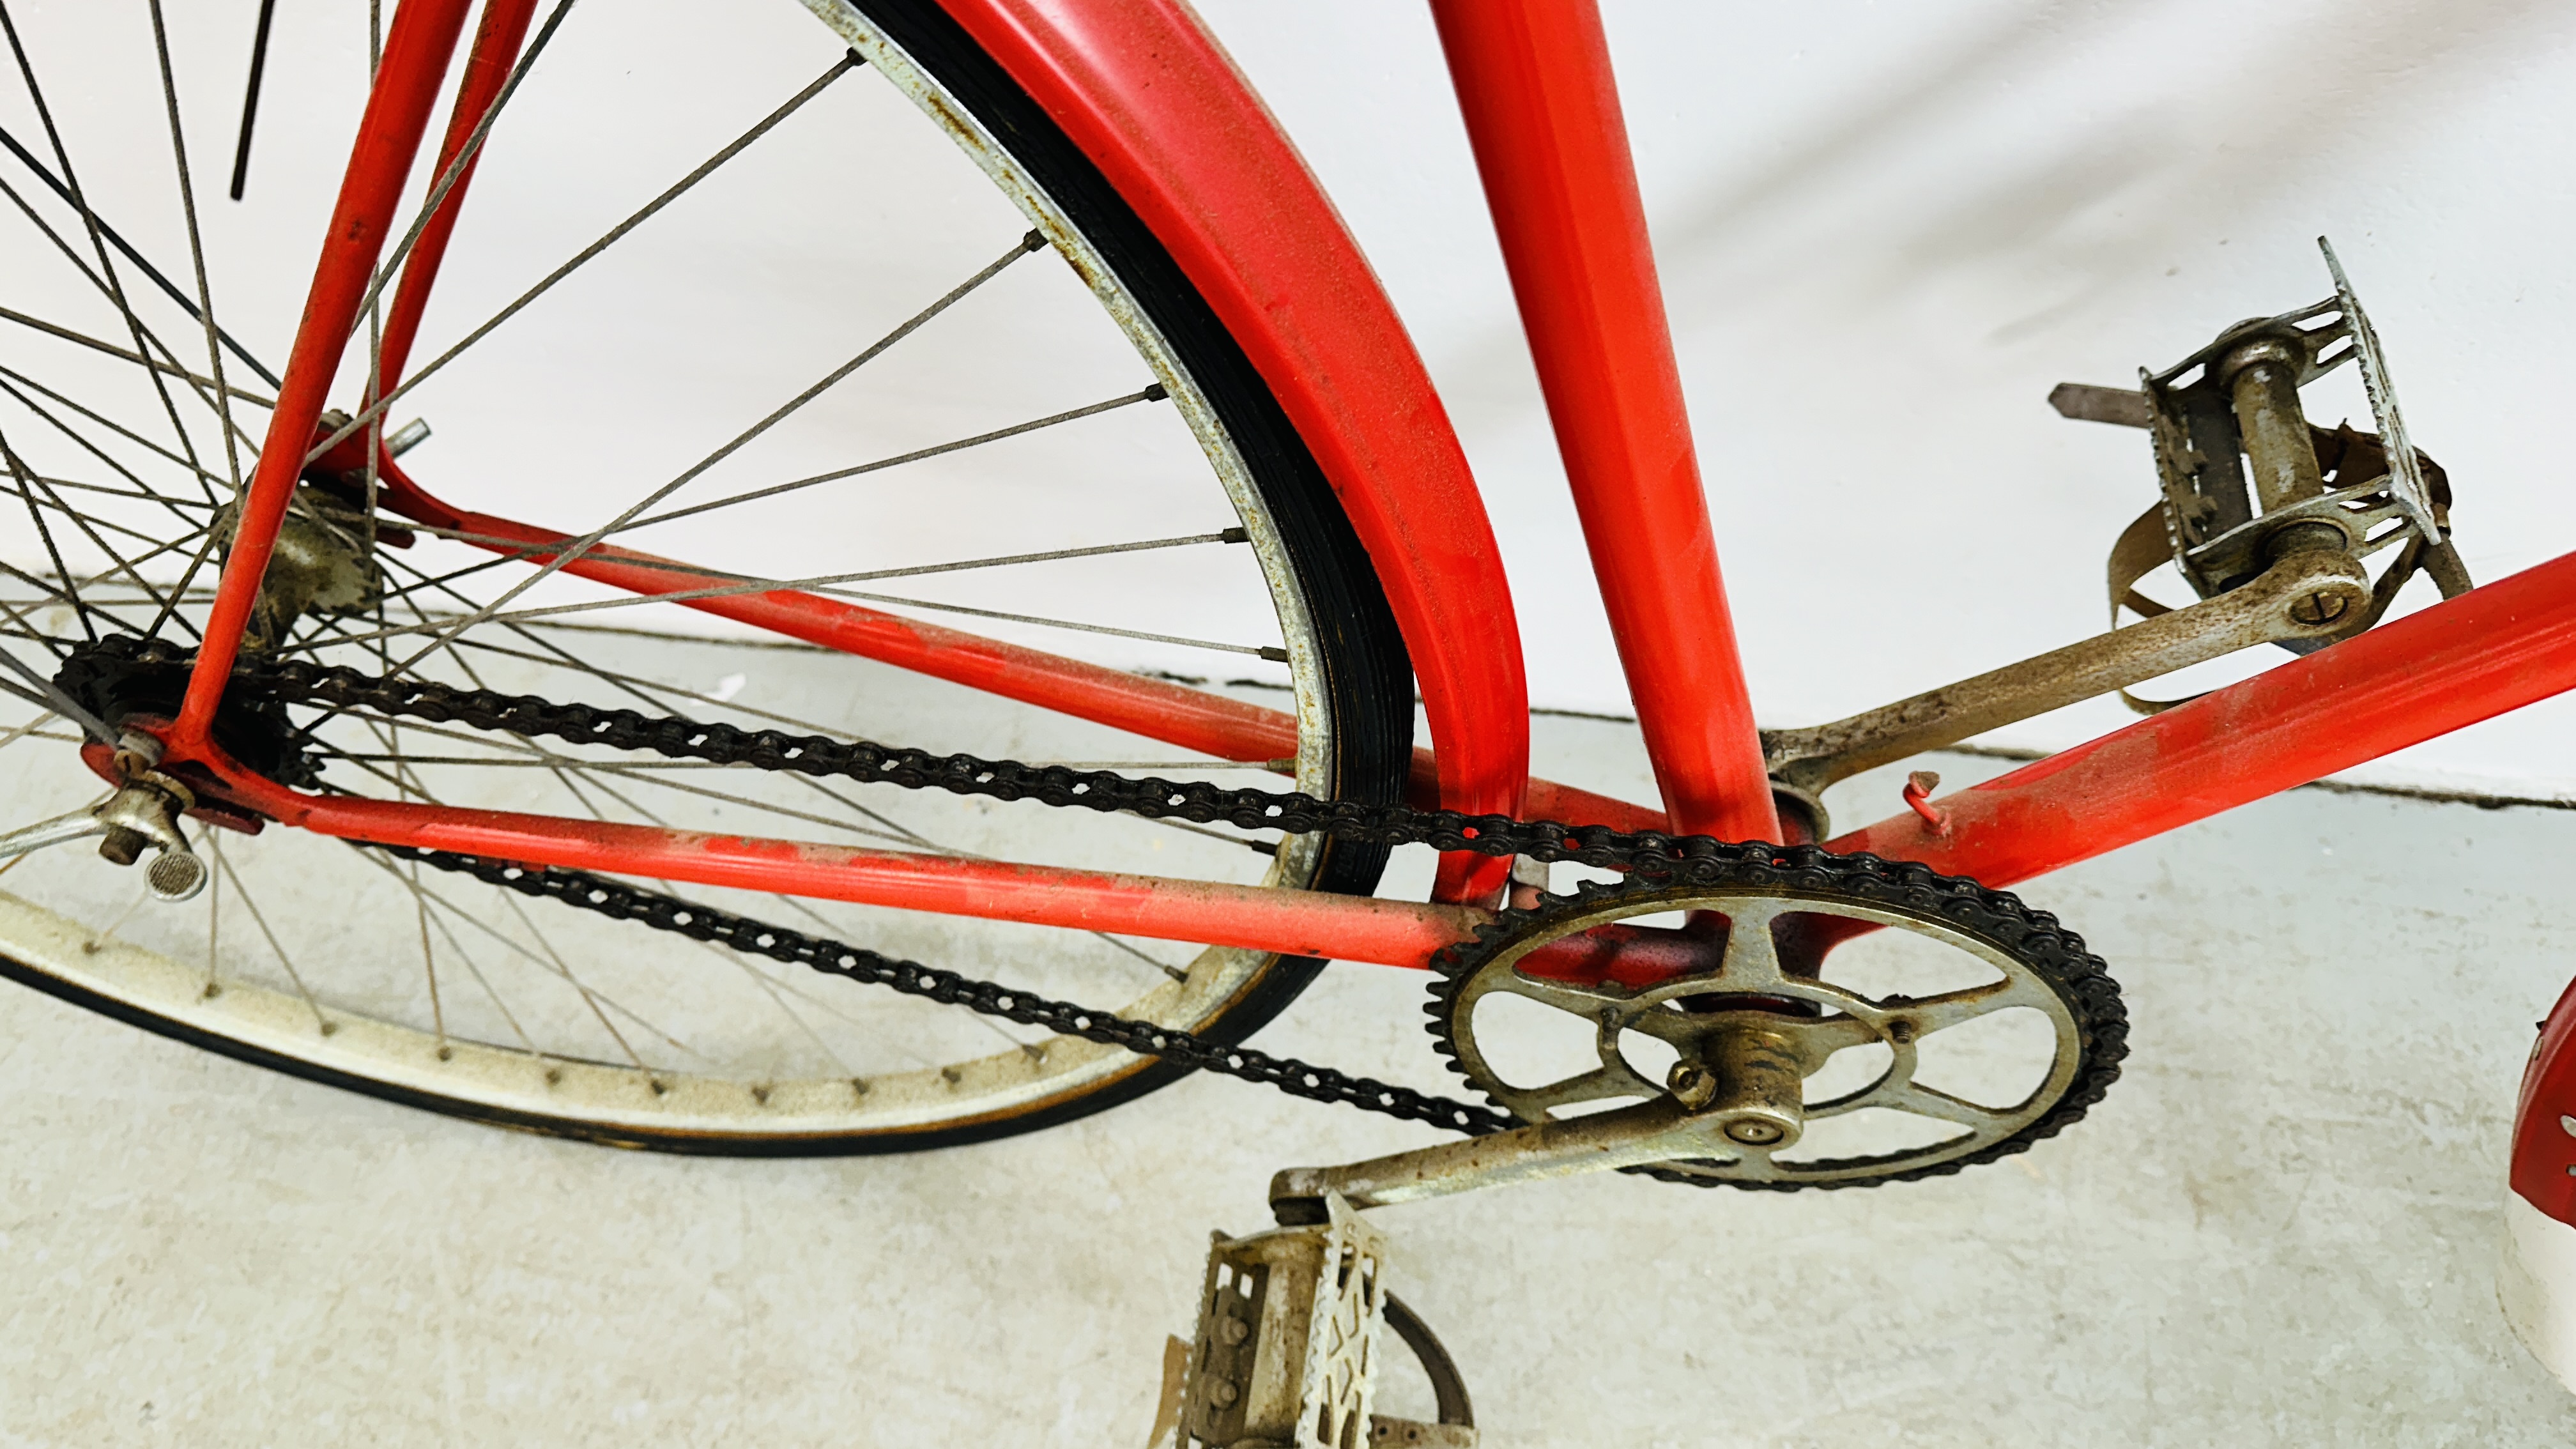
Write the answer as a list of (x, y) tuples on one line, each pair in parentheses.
[(1888, 230)]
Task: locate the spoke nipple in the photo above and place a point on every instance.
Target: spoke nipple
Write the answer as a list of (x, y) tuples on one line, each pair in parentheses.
[(213, 990), (858, 1086), (951, 1075), (330, 1028), (760, 1095), (554, 1076), (447, 1054)]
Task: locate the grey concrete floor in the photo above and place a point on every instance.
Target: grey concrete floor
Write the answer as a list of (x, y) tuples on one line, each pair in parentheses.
[(2279, 1229)]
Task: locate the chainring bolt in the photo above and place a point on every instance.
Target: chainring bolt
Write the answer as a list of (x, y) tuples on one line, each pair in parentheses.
[(1900, 1031), (1692, 1085)]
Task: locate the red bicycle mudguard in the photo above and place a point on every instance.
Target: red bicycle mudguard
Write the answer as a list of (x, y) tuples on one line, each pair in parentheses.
[(2536, 1281)]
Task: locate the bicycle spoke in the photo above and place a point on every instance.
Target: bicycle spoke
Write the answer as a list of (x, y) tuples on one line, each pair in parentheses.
[(143, 491), (576, 548), (89, 221), (82, 521), (111, 349), (1154, 393), (820, 585), (429, 963), (26, 493), (464, 161), (830, 583), (599, 1003), (473, 968), (1132, 949), (202, 476), (118, 241), (779, 999), (167, 362), (224, 868), (250, 98), (196, 243), (681, 188)]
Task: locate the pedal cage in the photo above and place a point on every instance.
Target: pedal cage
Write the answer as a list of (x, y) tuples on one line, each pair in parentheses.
[(1286, 1352)]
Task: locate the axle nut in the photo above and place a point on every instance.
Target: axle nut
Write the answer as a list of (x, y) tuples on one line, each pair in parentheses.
[(122, 845)]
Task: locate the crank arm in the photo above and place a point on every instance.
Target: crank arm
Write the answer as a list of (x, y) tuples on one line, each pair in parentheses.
[(1659, 1130), (2308, 594), (61, 830)]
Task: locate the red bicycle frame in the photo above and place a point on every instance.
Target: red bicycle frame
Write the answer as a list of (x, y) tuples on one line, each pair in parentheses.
[(1155, 104)]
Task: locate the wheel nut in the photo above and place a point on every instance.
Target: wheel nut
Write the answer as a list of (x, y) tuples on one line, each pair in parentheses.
[(122, 845), (1692, 1085)]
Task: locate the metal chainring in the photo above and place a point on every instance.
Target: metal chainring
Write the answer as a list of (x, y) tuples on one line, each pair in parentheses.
[(1651, 860), (2042, 965)]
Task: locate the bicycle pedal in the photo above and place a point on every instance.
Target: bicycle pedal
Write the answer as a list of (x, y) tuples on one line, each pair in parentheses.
[(1286, 1351)]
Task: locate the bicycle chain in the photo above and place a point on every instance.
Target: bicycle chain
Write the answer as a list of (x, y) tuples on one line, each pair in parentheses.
[(623, 902), (1642, 855)]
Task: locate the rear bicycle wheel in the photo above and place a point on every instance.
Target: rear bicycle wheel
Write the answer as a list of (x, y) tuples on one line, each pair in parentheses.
[(1065, 452)]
